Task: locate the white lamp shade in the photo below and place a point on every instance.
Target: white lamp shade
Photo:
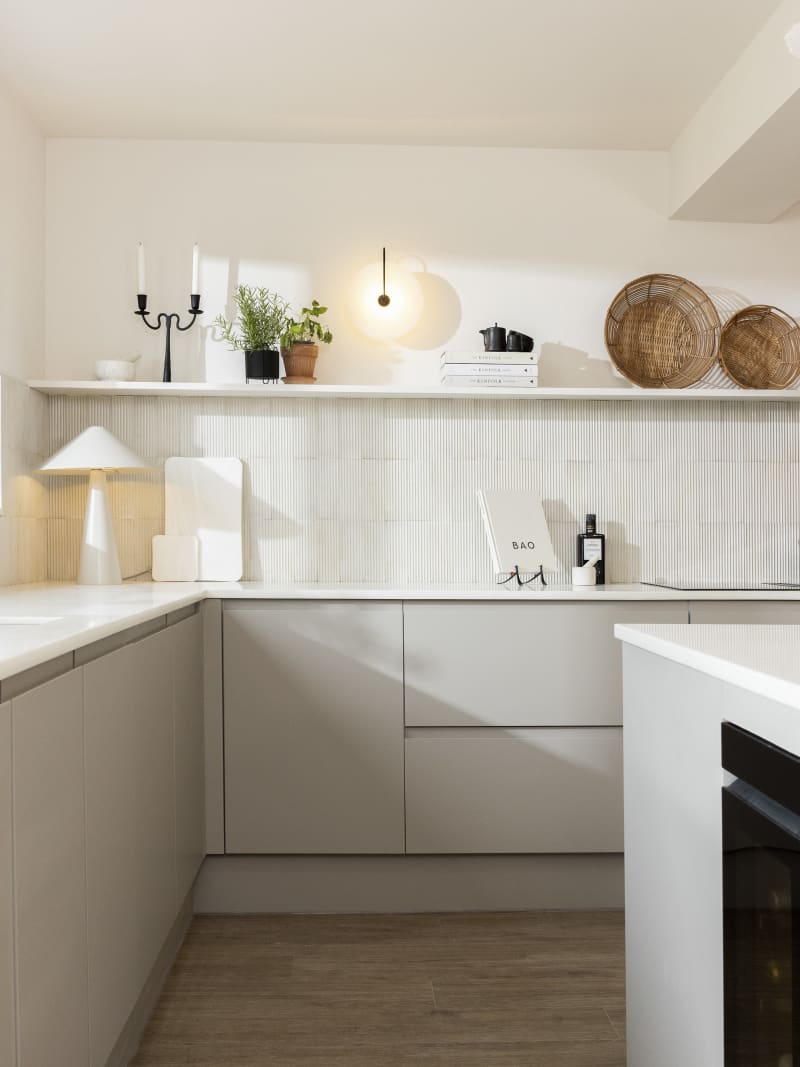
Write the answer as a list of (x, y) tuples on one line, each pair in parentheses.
[(93, 450), (793, 40), (405, 302)]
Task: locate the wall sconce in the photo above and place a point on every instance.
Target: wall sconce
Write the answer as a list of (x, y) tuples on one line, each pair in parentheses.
[(383, 299), (385, 311)]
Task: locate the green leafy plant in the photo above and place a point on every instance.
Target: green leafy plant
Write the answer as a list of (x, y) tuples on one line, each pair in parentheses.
[(262, 319), (308, 329)]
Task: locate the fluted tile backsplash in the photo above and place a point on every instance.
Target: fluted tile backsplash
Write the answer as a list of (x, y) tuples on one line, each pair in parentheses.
[(24, 445), (374, 490)]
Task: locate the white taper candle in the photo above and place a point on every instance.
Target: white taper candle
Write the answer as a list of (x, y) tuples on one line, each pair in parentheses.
[(195, 270), (140, 274)]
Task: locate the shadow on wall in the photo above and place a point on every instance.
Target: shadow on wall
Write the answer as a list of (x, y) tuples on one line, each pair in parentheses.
[(624, 562), (727, 302), (623, 557), (441, 314), (562, 366), (439, 320)]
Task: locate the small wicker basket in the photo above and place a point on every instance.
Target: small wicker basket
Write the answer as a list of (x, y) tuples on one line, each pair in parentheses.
[(760, 348), (662, 332)]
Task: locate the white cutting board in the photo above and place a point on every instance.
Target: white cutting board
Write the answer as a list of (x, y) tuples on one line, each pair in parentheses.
[(203, 497)]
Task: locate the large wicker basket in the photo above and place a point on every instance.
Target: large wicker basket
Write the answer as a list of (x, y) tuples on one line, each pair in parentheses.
[(760, 348), (662, 332)]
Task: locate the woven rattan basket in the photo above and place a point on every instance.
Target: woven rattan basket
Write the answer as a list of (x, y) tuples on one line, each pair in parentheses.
[(662, 332), (760, 348)]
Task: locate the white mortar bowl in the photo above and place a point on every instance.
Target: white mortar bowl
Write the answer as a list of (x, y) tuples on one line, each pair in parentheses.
[(114, 370)]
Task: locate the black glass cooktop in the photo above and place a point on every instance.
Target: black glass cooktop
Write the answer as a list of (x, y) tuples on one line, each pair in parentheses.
[(711, 587)]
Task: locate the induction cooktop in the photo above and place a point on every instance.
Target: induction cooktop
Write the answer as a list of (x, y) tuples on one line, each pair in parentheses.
[(714, 587)]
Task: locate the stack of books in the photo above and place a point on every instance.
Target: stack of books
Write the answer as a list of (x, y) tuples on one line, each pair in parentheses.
[(504, 370)]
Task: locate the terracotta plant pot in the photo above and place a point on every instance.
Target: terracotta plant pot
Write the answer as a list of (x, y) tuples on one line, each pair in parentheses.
[(299, 362)]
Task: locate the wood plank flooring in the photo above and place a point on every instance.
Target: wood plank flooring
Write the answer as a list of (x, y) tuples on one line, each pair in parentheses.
[(539, 989)]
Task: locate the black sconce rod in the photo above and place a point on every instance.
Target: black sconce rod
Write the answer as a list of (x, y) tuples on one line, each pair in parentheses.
[(383, 299)]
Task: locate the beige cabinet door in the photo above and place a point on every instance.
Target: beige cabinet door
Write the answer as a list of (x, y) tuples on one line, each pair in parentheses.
[(8, 1042), (492, 790), (313, 728), (745, 612), (155, 750), (524, 664), (130, 827), (50, 874), (187, 658)]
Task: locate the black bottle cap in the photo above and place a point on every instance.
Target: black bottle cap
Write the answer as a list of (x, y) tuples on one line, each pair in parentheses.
[(591, 523)]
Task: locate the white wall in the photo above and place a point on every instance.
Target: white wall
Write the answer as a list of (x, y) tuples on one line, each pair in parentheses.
[(764, 79), (537, 240), (22, 179), (24, 435)]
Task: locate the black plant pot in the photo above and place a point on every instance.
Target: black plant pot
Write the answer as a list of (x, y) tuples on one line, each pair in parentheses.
[(262, 365)]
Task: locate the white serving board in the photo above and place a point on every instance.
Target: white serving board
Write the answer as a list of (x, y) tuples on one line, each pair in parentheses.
[(203, 497)]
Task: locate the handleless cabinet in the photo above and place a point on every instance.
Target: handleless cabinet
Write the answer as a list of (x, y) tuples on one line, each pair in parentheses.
[(130, 827), (50, 874), (8, 1043), (515, 790), (187, 638), (523, 664), (745, 612), (313, 727)]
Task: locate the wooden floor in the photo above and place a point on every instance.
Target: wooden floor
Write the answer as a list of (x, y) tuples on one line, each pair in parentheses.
[(541, 989)]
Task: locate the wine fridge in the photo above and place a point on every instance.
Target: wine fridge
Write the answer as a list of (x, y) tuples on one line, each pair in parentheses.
[(761, 901)]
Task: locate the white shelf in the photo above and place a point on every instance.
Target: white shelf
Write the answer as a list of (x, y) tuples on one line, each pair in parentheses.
[(387, 392)]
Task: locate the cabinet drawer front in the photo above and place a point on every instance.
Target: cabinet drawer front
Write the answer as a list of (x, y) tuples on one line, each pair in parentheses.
[(490, 790), (529, 664), (745, 612)]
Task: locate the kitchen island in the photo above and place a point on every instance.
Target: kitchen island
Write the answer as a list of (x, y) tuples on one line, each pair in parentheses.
[(687, 690)]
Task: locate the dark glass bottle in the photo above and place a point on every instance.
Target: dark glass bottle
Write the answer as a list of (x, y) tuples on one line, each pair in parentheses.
[(591, 543)]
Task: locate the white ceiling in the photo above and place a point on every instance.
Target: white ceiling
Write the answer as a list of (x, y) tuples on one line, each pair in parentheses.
[(550, 73)]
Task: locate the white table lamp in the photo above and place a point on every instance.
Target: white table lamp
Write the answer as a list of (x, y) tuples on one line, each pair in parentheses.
[(96, 452)]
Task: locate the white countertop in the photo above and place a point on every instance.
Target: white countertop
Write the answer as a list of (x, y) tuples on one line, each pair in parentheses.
[(54, 618), (478, 591), (761, 659)]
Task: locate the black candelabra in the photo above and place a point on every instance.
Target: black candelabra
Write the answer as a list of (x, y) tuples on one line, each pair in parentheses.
[(166, 320)]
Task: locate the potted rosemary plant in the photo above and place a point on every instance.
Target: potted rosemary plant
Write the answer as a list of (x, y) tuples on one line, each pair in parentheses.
[(261, 320), (300, 344)]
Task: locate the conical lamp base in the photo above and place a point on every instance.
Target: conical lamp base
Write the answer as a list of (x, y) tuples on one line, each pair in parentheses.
[(99, 563)]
